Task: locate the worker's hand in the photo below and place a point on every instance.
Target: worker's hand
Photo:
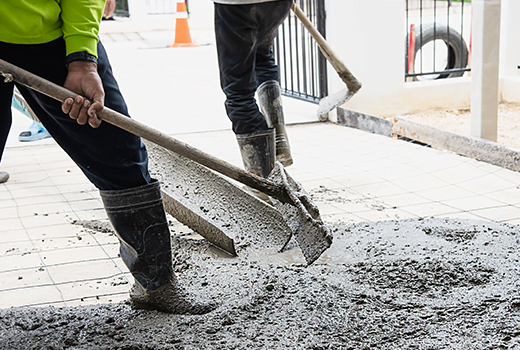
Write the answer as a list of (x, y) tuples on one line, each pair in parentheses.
[(84, 79)]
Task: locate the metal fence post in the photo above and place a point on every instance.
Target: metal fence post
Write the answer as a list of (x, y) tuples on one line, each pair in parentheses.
[(322, 61)]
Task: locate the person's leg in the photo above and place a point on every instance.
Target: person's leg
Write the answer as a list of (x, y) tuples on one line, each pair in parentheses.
[(6, 95), (116, 162), (272, 14), (236, 29)]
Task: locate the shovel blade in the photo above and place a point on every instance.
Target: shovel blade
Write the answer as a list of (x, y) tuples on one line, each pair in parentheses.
[(328, 103), (302, 216)]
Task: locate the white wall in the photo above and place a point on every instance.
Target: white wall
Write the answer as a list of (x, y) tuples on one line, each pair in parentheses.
[(510, 51), (371, 42), (369, 39)]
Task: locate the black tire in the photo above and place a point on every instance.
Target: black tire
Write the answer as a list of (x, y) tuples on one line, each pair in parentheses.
[(457, 48)]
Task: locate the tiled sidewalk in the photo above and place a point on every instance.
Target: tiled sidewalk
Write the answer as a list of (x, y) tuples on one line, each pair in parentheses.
[(355, 176)]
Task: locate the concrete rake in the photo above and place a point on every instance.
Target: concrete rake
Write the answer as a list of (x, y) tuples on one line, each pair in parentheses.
[(288, 196)]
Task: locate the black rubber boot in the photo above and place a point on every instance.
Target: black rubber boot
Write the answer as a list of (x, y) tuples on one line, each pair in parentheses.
[(270, 101), (258, 155), (4, 176), (258, 152), (139, 220)]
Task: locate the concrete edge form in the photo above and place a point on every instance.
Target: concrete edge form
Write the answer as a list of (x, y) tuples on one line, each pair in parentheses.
[(214, 207), (479, 149), (364, 122)]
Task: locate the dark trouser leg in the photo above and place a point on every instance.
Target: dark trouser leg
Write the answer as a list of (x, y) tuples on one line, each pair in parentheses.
[(110, 157), (6, 94), (244, 35)]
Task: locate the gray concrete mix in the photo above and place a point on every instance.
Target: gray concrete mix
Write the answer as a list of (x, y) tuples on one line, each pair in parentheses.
[(410, 284)]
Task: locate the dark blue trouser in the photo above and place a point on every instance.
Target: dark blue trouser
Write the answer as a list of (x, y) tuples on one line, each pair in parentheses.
[(244, 36), (111, 158)]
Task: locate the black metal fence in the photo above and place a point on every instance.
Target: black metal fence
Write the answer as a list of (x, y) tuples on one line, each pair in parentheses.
[(303, 69), (122, 8), (437, 36)]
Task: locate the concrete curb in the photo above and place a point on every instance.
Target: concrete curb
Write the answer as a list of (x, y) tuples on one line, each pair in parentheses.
[(479, 149)]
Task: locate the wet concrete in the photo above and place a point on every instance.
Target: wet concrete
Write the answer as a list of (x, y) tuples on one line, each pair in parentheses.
[(215, 207), (409, 284)]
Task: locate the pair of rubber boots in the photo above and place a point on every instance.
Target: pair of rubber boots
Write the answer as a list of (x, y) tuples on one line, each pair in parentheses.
[(259, 150), (139, 220)]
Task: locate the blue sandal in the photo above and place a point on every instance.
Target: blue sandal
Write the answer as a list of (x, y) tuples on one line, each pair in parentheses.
[(34, 133), (4, 176)]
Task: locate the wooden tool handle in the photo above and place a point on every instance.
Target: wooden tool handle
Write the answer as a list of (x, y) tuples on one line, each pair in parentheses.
[(348, 78), (32, 81)]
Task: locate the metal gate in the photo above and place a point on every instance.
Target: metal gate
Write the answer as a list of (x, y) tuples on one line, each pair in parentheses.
[(436, 39), (303, 69), (121, 8)]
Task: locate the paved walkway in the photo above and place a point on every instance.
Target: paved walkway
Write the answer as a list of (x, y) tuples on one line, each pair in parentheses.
[(47, 259)]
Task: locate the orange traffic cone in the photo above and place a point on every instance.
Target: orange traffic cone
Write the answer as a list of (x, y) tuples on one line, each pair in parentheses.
[(182, 30)]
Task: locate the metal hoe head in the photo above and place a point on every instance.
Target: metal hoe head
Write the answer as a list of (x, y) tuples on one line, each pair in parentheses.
[(302, 216), (328, 103)]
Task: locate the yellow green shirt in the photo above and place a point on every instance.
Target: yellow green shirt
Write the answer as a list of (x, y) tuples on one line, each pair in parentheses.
[(42, 21)]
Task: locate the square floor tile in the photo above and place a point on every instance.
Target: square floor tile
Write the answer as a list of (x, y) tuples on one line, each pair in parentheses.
[(83, 271), (472, 203), (381, 189), (50, 219), (357, 179), (508, 196), (10, 224), (429, 209), (27, 278), (73, 254), (503, 213), (487, 184), (19, 261), (7, 213), (13, 236), (29, 296), (402, 200), (97, 287), (64, 229), (445, 193), (421, 182)]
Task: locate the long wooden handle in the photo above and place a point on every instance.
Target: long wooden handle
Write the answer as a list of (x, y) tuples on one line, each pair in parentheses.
[(348, 78), (32, 81)]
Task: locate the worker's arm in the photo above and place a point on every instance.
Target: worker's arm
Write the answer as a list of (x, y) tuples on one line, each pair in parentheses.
[(81, 20)]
